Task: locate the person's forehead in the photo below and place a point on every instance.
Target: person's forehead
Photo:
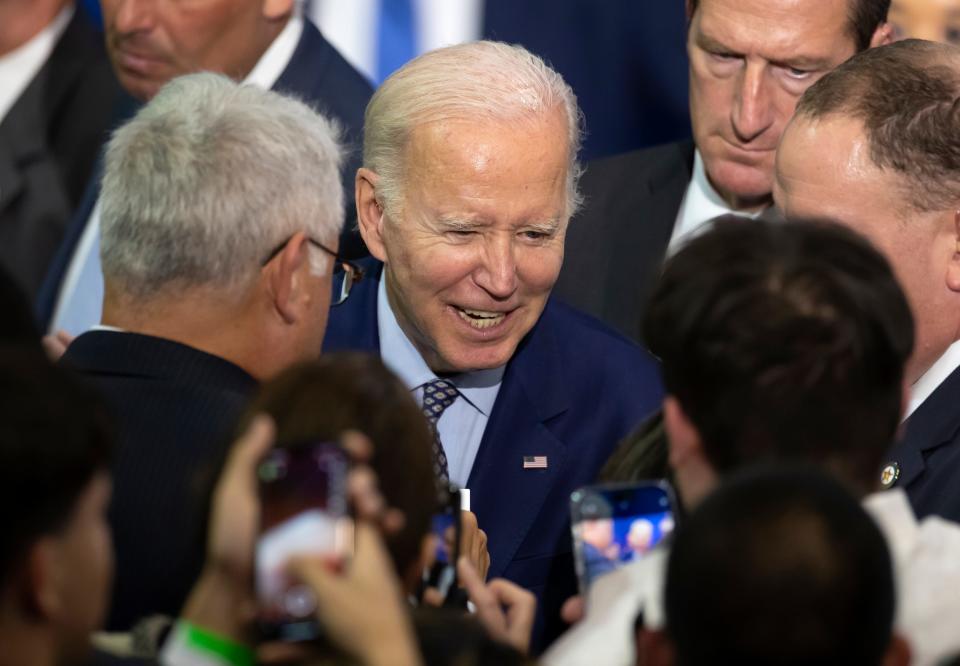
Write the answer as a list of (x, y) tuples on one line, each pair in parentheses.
[(777, 30)]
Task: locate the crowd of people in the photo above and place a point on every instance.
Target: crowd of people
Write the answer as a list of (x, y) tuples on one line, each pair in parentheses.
[(298, 371)]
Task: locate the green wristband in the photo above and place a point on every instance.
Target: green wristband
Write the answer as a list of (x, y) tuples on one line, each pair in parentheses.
[(233, 653)]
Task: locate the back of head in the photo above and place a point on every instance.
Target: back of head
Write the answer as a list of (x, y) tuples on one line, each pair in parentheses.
[(479, 82), (207, 179), (54, 438), (784, 341), (907, 95), (320, 400), (779, 567)]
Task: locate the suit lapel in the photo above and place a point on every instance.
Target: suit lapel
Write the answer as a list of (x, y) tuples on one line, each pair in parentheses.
[(504, 495), (645, 242), (933, 423)]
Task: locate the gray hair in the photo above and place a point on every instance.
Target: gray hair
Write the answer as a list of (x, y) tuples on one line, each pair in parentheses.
[(208, 178), (480, 81)]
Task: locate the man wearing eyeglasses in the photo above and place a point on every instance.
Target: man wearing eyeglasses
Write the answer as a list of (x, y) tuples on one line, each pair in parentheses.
[(469, 179), (222, 205)]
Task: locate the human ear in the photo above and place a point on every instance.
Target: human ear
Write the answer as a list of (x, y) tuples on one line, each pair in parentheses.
[(285, 277), (370, 213), (683, 437), (882, 35), (953, 268)]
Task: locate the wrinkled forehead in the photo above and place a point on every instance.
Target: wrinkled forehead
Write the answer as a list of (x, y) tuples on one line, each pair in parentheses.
[(776, 30)]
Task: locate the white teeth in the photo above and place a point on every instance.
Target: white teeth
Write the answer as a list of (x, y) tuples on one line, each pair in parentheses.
[(480, 319)]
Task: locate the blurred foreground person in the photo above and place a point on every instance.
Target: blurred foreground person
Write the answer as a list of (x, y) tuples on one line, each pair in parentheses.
[(56, 561), (778, 566), (221, 212), (469, 178), (782, 343)]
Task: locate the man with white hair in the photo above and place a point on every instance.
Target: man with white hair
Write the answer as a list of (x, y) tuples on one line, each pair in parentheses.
[(469, 179), (222, 208)]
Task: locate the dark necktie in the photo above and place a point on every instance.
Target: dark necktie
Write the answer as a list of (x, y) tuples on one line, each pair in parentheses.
[(438, 394)]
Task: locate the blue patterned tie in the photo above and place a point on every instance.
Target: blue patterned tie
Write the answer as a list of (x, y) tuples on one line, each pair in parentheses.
[(438, 394)]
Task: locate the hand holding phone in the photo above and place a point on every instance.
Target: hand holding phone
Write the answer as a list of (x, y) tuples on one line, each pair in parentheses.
[(615, 524), (304, 513)]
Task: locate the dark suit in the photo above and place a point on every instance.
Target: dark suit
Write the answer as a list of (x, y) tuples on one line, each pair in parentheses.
[(929, 453), (316, 74), (49, 141), (571, 391), (175, 409), (616, 245)]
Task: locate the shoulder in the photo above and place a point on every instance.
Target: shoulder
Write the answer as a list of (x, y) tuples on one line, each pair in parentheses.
[(663, 160), (589, 341)]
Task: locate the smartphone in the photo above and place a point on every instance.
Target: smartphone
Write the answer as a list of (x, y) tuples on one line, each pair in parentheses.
[(614, 524), (445, 530), (304, 511)]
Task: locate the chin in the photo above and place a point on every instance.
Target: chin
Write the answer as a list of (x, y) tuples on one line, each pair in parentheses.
[(743, 182)]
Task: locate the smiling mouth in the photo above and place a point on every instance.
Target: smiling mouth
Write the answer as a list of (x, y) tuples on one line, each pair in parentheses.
[(481, 319)]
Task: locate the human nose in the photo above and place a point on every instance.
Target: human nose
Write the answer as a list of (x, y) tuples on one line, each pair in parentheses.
[(498, 273), (132, 16), (753, 106)]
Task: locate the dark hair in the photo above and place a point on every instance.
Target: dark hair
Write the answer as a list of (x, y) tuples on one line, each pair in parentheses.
[(865, 17), (54, 437), (779, 566), (784, 341), (353, 391), (447, 637), (907, 95)]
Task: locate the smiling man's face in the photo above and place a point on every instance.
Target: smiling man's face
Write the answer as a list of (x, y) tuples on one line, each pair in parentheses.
[(750, 60), (478, 242)]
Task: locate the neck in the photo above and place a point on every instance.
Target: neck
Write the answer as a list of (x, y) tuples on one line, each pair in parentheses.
[(25, 643), (209, 321), (22, 20)]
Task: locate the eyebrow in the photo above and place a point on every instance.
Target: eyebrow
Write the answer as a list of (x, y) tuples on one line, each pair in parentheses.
[(712, 44)]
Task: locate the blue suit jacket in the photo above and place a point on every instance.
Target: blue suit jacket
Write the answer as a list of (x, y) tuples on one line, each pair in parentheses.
[(929, 453), (318, 75), (573, 389)]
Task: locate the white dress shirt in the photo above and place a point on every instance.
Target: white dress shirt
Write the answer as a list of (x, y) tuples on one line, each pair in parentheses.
[(701, 203), (19, 67), (935, 375), (353, 30), (462, 425), (76, 315)]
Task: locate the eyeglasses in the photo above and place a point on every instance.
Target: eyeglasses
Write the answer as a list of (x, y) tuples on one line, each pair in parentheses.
[(345, 273)]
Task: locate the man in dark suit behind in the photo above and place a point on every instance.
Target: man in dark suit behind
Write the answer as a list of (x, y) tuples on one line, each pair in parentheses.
[(469, 180), (265, 44), (749, 63), (55, 106), (216, 278)]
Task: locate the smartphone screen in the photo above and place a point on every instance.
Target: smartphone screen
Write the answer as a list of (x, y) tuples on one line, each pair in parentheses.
[(303, 493), (445, 537), (617, 524)]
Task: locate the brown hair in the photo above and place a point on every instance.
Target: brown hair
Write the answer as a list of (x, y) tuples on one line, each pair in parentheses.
[(906, 96), (865, 17), (320, 400)]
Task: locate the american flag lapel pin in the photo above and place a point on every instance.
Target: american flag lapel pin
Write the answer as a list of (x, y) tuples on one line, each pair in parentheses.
[(534, 462)]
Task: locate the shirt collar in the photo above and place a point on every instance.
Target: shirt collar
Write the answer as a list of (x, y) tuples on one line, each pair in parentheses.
[(479, 387), (933, 377), (701, 203), (276, 58)]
